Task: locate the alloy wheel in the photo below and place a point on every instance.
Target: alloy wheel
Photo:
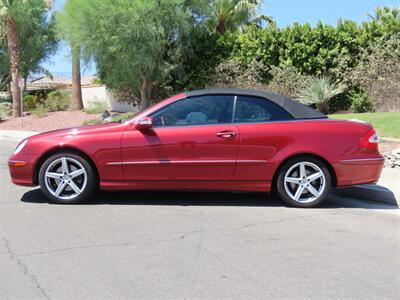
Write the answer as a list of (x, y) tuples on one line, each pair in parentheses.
[(304, 182), (65, 178)]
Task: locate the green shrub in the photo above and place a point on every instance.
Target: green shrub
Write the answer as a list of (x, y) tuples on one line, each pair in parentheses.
[(40, 111), (58, 101), (92, 122), (288, 81), (5, 110), (341, 102), (30, 102), (113, 119), (96, 107), (122, 117), (361, 102), (8, 100), (320, 91), (3, 114)]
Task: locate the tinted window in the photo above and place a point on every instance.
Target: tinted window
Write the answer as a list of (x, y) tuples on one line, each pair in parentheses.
[(253, 110), (196, 111)]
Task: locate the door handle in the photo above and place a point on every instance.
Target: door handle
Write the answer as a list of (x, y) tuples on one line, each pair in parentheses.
[(226, 134)]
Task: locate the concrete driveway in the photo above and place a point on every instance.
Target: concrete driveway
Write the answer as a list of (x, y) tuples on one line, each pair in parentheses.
[(193, 245)]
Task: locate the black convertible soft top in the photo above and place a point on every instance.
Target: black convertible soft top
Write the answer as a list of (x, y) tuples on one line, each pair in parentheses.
[(295, 108)]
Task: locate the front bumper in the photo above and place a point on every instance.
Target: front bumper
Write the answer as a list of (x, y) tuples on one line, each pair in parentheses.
[(358, 170), (22, 168)]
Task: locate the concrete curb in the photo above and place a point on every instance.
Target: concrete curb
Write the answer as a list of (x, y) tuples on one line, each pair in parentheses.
[(15, 135), (369, 192), (390, 140)]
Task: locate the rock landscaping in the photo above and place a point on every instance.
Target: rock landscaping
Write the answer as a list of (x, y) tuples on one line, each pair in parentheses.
[(392, 159), (50, 121)]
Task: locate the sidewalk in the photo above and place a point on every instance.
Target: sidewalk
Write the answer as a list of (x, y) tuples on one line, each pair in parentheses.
[(387, 190), (15, 135)]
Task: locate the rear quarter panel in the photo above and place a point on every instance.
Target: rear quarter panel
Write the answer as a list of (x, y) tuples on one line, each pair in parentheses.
[(274, 142)]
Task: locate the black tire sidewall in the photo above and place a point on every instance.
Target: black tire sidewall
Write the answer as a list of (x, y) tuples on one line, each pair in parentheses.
[(90, 185), (281, 181)]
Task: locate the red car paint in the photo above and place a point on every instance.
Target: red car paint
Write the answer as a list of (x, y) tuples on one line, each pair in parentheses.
[(197, 158)]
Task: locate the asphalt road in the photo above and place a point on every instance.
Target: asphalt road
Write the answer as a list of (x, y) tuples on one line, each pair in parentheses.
[(193, 245)]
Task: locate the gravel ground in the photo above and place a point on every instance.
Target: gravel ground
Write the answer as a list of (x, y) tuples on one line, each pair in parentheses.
[(54, 120), (388, 147)]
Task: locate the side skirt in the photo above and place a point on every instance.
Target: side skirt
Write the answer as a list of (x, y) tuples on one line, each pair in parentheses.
[(256, 186)]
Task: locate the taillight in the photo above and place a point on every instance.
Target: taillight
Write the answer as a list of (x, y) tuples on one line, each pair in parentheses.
[(369, 140)]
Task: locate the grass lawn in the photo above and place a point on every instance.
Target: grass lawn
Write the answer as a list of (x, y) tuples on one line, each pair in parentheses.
[(386, 123)]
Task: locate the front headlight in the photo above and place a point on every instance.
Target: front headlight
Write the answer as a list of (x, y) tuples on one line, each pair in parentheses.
[(20, 146)]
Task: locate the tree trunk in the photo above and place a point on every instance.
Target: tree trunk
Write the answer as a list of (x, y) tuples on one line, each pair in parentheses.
[(76, 95), (323, 107), (25, 82), (221, 27), (145, 93), (13, 50)]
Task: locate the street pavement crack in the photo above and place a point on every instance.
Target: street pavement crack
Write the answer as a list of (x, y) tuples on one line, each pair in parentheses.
[(180, 236), (24, 268), (255, 224)]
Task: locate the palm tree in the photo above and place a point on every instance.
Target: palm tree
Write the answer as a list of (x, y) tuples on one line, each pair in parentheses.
[(226, 15), (66, 21), (320, 91), (382, 14), (76, 93), (8, 29)]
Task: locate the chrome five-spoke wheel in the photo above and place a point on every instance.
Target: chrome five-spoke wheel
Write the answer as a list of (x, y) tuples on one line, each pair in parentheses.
[(67, 178), (304, 181)]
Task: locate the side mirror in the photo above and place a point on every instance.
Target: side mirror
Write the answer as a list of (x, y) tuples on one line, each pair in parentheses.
[(145, 123)]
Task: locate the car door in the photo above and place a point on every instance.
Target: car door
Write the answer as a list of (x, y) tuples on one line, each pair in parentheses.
[(262, 125), (191, 139)]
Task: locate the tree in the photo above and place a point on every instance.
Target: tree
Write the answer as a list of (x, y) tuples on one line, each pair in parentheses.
[(4, 67), (9, 29), (68, 29), (224, 15), (134, 43), (38, 40), (320, 91), (14, 15), (378, 73), (234, 74), (385, 13)]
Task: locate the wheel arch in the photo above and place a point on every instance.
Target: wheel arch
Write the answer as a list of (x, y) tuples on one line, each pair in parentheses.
[(57, 150), (328, 165)]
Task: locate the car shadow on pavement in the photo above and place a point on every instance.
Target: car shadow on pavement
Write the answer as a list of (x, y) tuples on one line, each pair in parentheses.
[(188, 198)]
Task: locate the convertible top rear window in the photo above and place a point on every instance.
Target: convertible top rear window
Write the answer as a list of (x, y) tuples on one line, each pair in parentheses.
[(250, 109)]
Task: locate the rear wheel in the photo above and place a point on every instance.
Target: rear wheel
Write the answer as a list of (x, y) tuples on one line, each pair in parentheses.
[(67, 178), (304, 181)]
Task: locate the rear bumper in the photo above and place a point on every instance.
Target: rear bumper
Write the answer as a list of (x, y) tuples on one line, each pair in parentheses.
[(358, 170), (21, 169)]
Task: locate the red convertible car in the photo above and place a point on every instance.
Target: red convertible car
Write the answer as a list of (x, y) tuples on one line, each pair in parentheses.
[(227, 139)]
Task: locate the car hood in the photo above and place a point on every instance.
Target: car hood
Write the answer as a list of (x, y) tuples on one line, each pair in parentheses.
[(83, 130)]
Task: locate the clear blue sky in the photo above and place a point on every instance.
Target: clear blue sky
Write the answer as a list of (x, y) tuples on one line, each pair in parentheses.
[(285, 12)]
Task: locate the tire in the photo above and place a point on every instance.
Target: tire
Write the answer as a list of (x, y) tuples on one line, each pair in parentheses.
[(308, 190), (67, 178)]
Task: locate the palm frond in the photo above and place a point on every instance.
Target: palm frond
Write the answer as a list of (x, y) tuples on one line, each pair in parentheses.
[(259, 19), (321, 90)]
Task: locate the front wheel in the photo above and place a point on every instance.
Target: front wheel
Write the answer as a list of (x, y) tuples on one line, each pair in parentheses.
[(304, 182), (67, 178)]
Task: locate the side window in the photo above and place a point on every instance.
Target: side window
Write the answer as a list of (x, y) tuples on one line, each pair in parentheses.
[(253, 110), (196, 111)]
